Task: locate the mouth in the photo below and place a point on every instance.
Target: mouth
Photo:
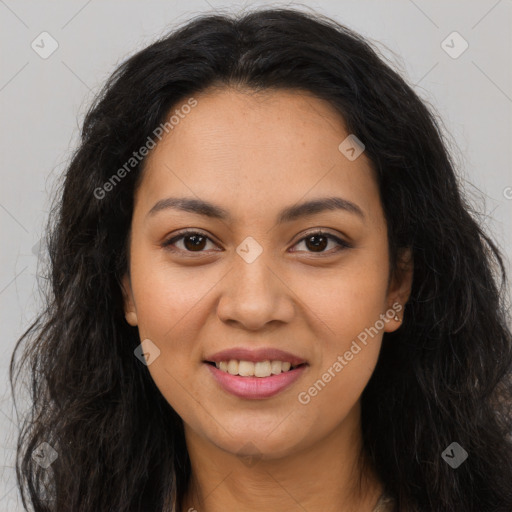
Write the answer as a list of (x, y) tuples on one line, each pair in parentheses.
[(255, 374), (260, 369)]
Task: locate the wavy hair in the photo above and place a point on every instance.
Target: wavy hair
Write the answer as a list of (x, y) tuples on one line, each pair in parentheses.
[(444, 376)]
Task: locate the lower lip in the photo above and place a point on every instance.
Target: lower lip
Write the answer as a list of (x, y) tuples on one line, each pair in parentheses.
[(255, 387)]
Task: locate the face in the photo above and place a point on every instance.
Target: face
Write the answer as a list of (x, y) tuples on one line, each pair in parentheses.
[(232, 275)]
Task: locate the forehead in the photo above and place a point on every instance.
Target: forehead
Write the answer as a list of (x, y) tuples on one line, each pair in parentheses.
[(244, 147), (228, 123)]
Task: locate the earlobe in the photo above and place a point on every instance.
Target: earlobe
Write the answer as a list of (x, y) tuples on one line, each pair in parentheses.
[(129, 305), (131, 318)]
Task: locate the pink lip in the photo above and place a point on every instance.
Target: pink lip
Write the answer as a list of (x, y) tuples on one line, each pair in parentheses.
[(255, 355), (255, 387)]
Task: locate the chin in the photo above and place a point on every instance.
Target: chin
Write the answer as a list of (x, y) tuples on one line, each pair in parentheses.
[(253, 442)]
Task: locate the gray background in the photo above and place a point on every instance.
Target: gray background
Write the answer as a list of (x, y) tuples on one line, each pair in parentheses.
[(42, 103)]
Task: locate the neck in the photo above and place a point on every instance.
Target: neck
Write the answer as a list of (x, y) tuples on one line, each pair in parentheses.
[(329, 476)]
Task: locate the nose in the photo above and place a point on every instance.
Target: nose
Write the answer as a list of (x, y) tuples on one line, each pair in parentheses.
[(254, 295)]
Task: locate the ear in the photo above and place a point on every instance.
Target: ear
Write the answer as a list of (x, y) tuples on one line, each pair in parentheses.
[(130, 312), (399, 289)]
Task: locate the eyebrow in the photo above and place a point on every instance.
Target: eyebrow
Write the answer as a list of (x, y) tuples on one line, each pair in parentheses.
[(288, 214)]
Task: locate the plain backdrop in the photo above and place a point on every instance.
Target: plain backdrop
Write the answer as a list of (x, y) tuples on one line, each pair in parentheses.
[(42, 103)]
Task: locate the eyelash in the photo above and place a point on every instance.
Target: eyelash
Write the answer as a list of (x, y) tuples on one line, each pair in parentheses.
[(342, 244)]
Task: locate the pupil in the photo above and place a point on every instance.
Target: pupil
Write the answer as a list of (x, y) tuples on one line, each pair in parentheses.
[(193, 242), (321, 245), (198, 242)]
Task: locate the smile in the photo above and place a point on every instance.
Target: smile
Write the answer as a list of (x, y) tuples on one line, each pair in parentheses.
[(254, 369), (254, 374), (251, 387)]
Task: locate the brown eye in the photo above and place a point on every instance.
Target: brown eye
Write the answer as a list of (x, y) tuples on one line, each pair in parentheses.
[(191, 242), (319, 241), (194, 242), (316, 243)]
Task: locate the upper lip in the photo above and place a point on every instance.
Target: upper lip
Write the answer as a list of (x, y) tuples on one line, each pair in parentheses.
[(255, 355)]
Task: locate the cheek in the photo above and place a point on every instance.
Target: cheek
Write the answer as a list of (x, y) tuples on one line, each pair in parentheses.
[(348, 299), (168, 298), (350, 303), (170, 314), (347, 355), (172, 306)]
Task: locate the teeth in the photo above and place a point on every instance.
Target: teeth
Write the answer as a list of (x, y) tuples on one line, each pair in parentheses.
[(246, 368), (233, 367), (263, 369), (250, 369), (276, 367)]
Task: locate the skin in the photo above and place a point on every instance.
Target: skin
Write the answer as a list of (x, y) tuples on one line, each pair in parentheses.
[(254, 154)]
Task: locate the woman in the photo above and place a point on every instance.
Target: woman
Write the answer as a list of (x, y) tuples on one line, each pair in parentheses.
[(267, 292)]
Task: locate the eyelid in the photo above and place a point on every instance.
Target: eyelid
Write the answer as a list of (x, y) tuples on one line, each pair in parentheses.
[(343, 244), (166, 244)]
